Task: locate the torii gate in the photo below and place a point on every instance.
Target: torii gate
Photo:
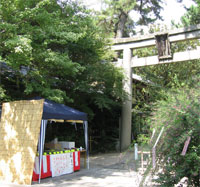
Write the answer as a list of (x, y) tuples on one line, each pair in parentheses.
[(162, 40)]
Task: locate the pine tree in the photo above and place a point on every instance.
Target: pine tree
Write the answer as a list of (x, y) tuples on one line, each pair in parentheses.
[(116, 17)]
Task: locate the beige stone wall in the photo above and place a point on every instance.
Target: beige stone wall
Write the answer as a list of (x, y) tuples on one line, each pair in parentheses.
[(19, 133)]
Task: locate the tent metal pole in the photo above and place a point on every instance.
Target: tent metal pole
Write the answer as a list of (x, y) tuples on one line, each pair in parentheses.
[(86, 142), (41, 145)]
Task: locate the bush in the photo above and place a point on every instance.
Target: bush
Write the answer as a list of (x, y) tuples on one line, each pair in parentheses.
[(179, 113)]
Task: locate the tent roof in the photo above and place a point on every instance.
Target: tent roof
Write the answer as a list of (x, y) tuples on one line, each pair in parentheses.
[(54, 110)]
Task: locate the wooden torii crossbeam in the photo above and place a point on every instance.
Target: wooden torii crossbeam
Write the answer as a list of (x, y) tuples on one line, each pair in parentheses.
[(128, 63)]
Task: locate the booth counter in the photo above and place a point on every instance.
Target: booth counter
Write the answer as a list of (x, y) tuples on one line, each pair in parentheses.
[(57, 164)]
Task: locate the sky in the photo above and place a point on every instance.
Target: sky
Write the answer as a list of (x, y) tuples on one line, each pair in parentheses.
[(172, 9)]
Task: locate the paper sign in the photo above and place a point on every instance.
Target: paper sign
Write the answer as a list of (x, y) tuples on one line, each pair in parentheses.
[(186, 146), (61, 164)]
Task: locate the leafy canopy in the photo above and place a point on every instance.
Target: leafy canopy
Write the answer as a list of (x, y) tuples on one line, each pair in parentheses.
[(55, 50)]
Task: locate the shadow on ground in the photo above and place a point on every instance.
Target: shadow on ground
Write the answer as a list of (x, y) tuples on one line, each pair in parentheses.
[(113, 170)]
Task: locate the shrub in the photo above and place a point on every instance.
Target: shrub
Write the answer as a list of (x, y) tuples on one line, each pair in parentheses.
[(179, 113)]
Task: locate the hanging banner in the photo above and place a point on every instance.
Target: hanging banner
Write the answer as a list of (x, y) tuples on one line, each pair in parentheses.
[(61, 164)]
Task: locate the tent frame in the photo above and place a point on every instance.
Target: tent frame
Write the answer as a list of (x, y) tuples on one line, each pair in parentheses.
[(42, 140)]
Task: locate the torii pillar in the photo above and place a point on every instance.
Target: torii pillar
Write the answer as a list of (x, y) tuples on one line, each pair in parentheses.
[(127, 104)]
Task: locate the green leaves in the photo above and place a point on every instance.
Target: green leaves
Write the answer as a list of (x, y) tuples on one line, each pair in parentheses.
[(56, 51), (20, 50), (62, 52), (179, 114)]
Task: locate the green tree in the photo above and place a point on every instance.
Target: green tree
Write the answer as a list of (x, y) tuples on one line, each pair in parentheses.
[(60, 49), (116, 20), (192, 15), (55, 50)]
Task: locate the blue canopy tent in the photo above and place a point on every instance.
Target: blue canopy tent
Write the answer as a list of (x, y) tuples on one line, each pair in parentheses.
[(52, 110)]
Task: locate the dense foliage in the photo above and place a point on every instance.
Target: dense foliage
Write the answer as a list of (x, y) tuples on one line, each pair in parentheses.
[(55, 50), (179, 115), (175, 106)]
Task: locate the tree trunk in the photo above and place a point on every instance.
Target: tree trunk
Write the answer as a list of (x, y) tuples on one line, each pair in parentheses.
[(120, 27)]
